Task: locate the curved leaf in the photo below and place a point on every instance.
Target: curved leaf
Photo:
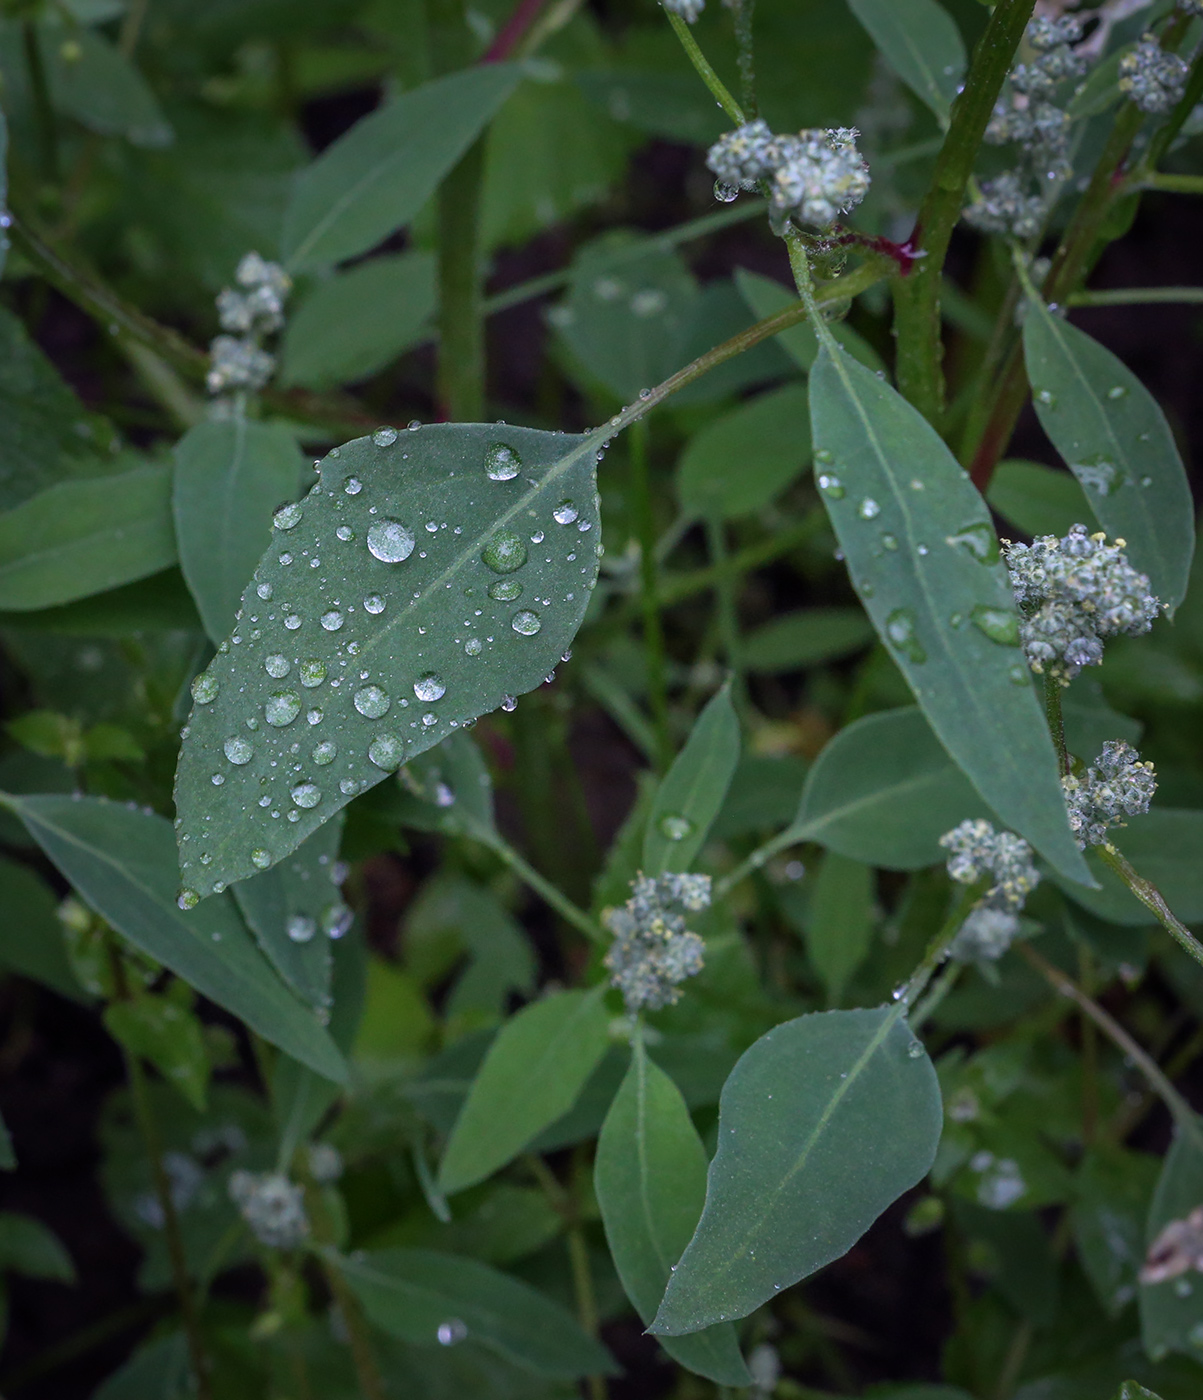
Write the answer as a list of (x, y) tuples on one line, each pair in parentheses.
[(374, 665), (91, 80), (920, 41), (806, 638), (822, 1123)]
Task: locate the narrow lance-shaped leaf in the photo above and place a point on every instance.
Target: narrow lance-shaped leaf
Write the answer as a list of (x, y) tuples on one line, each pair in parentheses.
[(840, 923), (122, 861), (924, 558), (428, 578), (822, 1123), (1114, 438), (650, 1179), (229, 477), (920, 41), (692, 792)]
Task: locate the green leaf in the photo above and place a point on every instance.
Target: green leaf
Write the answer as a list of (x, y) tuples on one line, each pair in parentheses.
[(823, 1123), (766, 297), (82, 537), (1114, 438), (672, 105), (884, 791), (374, 179), (379, 661), (531, 1076), (1171, 1318), (447, 789), (158, 1029), (1112, 1194), (122, 862), (414, 1293), (1133, 1390), (924, 557), (740, 462), (91, 80), (356, 322), (31, 937), (295, 909), (693, 789), (229, 477), (1039, 499), (28, 1247), (839, 925), (159, 1367), (650, 1180), (920, 41), (1164, 847), (806, 638)]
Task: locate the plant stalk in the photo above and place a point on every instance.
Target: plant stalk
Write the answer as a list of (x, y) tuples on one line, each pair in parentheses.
[(726, 605), (1153, 900), (653, 630), (548, 892), (1137, 296), (43, 109), (460, 377), (742, 12), (718, 89)]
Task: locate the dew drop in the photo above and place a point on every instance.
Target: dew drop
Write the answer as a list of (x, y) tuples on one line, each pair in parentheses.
[(538, 537), (429, 687), (505, 552), (313, 672), (868, 508), (384, 437), (288, 517), (473, 646), (1117, 391), (344, 533), (900, 629), (509, 703), (1001, 625), (450, 1332), (1100, 475), (238, 751), (332, 620), (264, 590), (386, 751), (831, 486), (286, 558), (526, 623), (373, 604), (260, 858), (1046, 397), (429, 719), (1018, 674), (352, 486), (300, 927), (217, 779), (324, 753), (314, 716), (390, 541), (348, 786), (337, 919), (915, 1050), (204, 688), (565, 513), (978, 539), (675, 828), (372, 702), (502, 463), (292, 622), (725, 193), (306, 794), (823, 454), (277, 666), (889, 541), (187, 899), (283, 706), (505, 590)]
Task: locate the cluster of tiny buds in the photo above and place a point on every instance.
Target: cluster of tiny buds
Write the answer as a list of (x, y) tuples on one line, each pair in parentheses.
[(272, 1206), (976, 852), (1117, 785), (1072, 594), (689, 10), (325, 1162), (1152, 77), (653, 951), (811, 178), (239, 361)]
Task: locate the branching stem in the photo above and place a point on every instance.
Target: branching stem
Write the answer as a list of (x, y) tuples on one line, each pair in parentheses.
[(718, 89), (1153, 900)]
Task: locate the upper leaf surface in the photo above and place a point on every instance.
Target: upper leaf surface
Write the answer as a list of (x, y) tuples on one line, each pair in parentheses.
[(374, 627), (924, 558), (922, 44)]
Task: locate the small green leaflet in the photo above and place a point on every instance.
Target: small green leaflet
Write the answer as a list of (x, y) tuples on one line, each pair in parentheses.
[(83, 537), (122, 862), (28, 1247), (375, 178), (1171, 1319), (924, 558), (96, 83), (693, 789), (806, 638), (159, 1029), (922, 44), (650, 1180), (229, 477), (839, 926), (794, 1183), (1114, 438), (31, 936), (428, 578), (531, 1076)]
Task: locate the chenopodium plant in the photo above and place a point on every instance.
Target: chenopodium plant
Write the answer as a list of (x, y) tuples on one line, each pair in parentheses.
[(434, 574)]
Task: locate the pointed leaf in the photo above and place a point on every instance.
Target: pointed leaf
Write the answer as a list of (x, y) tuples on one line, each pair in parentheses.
[(229, 477), (693, 790), (650, 1180), (839, 925), (415, 1294), (1171, 1318), (1114, 438), (822, 1123), (122, 861), (342, 669), (531, 1076), (806, 638), (93, 81), (920, 41), (28, 1247), (924, 557), (375, 178)]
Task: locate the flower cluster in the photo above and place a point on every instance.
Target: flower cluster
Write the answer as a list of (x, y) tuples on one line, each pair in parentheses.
[(325, 1162), (272, 1206), (1151, 77), (653, 951), (239, 361), (689, 10), (1072, 594), (977, 851), (811, 178), (1116, 786)]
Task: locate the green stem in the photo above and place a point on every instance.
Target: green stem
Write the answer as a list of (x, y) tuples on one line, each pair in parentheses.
[(131, 27), (718, 89), (548, 892), (759, 858), (944, 984), (746, 56), (937, 949), (1153, 900), (43, 109), (460, 376), (653, 631), (1056, 721), (1172, 184), (917, 295), (725, 601), (1137, 296)]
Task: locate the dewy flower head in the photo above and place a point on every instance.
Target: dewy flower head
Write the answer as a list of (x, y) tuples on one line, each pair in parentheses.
[(740, 159), (1073, 593), (1151, 77), (1004, 207), (689, 10), (812, 177), (653, 951), (976, 852), (272, 1206), (1117, 785)]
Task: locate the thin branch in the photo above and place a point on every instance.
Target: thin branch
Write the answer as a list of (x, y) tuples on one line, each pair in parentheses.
[(718, 89), (1153, 900), (1137, 296)]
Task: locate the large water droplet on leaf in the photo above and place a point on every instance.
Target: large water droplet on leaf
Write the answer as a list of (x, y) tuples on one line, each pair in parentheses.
[(306, 794), (900, 629), (390, 541), (565, 513), (429, 687), (313, 672), (979, 540), (288, 517), (300, 927), (505, 552), (238, 751), (373, 604), (372, 702), (384, 437), (676, 828), (386, 751), (502, 463), (526, 623), (505, 590), (204, 688), (332, 620), (277, 666), (324, 753), (283, 706)]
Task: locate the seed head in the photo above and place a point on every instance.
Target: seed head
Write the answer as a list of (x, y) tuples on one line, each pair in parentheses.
[(237, 364), (1151, 77), (653, 951), (689, 10), (818, 175), (977, 850), (1117, 785), (1004, 207), (985, 935), (743, 157), (272, 1206)]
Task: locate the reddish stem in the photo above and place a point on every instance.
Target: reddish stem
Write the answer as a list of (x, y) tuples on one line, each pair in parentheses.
[(512, 31)]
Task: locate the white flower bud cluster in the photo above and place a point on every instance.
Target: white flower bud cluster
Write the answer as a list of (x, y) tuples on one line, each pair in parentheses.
[(977, 851), (272, 1206), (1003, 206), (689, 10), (238, 361), (325, 1162), (1073, 593), (1117, 785), (653, 951), (1152, 78), (812, 177)]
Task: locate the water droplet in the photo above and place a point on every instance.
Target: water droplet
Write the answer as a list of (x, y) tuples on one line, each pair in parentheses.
[(300, 927), (1183, 1288), (428, 720), (725, 193), (978, 539), (823, 454), (676, 828), (565, 513), (1046, 397), (915, 1050), (372, 702), (344, 532), (352, 486), (889, 542), (526, 623), (1018, 675), (451, 1331), (283, 706), (386, 751), (204, 688), (337, 919), (509, 703), (314, 716), (915, 484), (313, 672), (1001, 625), (348, 786), (831, 486), (306, 794), (238, 751), (505, 552), (288, 517), (324, 753), (286, 558), (505, 590), (900, 629), (384, 437), (187, 899), (264, 590), (429, 687), (390, 541), (473, 646), (1100, 475), (292, 622), (1117, 391), (277, 666), (502, 463), (868, 508), (332, 620), (217, 779), (260, 858)]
